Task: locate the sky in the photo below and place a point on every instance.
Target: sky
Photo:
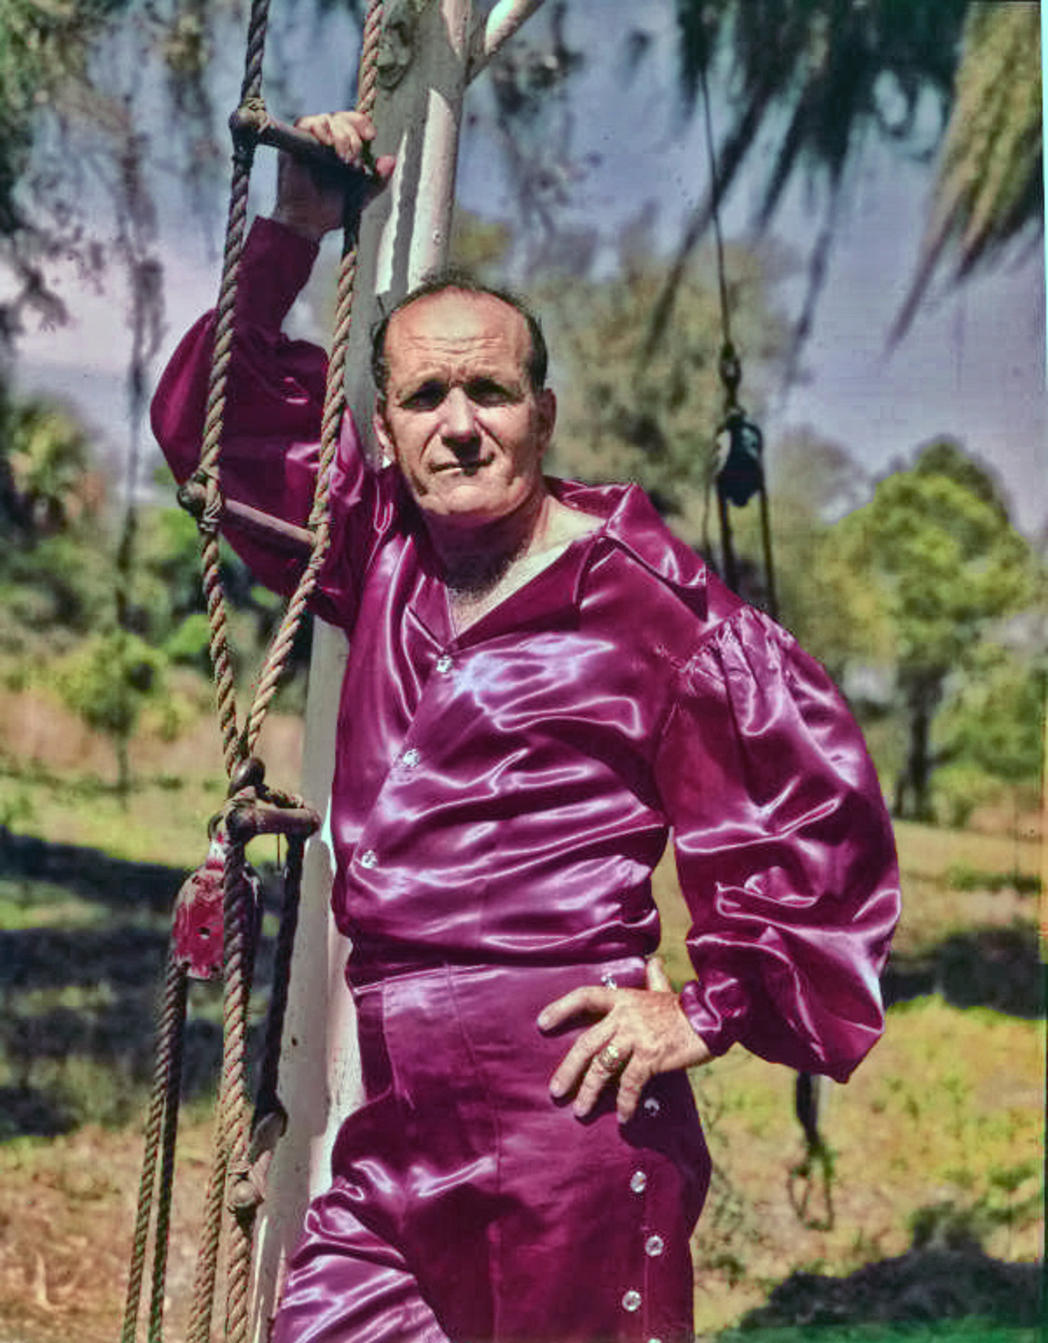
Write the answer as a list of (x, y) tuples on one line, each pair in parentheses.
[(972, 365)]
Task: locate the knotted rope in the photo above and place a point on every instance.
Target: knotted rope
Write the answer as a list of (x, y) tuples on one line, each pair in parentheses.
[(233, 1179)]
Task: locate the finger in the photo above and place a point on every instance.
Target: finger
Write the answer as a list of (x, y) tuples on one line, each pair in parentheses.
[(360, 121), (588, 998), (655, 974), (318, 126), (634, 1078), (384, 166), (598, 1075), (346, 139), (578, 1058)]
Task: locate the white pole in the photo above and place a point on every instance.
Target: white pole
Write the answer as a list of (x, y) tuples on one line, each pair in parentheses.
[(423, 73)]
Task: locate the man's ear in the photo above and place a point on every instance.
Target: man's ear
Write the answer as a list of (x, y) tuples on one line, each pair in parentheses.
[(380, 426), (546, 404)]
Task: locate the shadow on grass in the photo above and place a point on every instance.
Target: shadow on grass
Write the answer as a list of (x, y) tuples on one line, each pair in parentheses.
[(922, 1287), (78, 1006), (993, 967), (89, 874)]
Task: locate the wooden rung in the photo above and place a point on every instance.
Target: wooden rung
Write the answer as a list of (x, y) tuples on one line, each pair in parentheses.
[(268, 131), (272, 530)]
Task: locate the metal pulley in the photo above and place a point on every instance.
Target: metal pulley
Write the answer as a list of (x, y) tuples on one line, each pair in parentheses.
[(740, 446)]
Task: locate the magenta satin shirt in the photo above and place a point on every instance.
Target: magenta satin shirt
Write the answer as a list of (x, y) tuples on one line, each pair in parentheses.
[(502, 795)]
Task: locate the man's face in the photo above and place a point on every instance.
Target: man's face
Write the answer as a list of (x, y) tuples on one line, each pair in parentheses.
[(461, 418)]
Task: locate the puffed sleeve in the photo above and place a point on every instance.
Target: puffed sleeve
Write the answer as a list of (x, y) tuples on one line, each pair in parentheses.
[(270, 445), (784, 851)]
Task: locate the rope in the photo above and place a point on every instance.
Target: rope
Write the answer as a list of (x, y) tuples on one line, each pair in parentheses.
[(267, 1084), (176, 1014), (715, 192), (199, 1330), (232, 1140), (731, 377), (334, 407), (161, 1120), (233, 1102)]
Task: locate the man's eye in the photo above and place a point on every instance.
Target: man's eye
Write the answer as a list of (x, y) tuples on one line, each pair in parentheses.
[(427, 397), (484, 392)]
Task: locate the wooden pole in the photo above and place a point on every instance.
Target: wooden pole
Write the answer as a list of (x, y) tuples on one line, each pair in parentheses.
[(424, 69)]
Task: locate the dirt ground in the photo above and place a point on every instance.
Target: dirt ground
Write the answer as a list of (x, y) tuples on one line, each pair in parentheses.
[(937, 1142)]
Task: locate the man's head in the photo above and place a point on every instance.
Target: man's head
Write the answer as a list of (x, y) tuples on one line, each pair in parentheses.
[(462, 407)]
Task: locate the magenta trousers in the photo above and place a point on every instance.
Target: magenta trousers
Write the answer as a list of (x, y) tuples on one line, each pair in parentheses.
[(468, 1205)]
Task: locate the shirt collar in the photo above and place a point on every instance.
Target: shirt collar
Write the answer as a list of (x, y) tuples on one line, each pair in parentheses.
[(630, 523)]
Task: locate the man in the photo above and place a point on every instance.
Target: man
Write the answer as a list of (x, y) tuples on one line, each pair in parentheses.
[(542, 681)]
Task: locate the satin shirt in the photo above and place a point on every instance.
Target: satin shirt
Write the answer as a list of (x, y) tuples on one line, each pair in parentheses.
[(502, 795)]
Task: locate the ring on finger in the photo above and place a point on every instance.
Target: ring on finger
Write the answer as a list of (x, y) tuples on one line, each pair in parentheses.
[(610, 1058)]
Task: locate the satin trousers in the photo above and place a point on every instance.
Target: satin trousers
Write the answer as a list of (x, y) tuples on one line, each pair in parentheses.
[(468, 1205)]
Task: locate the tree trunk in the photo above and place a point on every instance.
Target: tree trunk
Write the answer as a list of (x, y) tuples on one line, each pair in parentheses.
[(922, 695), (404, 234)]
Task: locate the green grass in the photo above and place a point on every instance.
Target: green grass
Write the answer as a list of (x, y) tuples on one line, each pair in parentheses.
[(936, 1140), (959, 1331)]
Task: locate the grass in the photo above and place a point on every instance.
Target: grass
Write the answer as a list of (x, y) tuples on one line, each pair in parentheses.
[(935, 1142), (964, 1331)]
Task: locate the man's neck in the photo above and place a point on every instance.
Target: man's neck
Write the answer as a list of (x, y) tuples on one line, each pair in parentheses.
[(474, 560)]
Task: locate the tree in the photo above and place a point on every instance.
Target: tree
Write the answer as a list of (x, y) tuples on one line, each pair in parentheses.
[(46, 480), (655, 424), (831, 606), (818, 78), (937, 543), (989, 186), (52, 567), (107, 680), (991, 730)]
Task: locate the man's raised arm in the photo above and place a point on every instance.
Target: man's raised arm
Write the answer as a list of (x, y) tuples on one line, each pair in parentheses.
[(275, 389)]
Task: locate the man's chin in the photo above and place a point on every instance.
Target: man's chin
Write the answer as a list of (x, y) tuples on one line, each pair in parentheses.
[(467, 508)]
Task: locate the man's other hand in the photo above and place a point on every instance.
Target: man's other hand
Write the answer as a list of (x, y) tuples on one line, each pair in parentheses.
[(640, 1032), (308, 201)]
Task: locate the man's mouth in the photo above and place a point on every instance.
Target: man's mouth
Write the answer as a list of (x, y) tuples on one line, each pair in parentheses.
[(468, 468)]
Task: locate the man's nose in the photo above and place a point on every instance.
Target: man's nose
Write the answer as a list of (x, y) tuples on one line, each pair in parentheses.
[(460, 421)]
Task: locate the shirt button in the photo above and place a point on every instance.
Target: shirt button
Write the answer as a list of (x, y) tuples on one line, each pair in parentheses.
[(369, 858), (411, 757), (444, 662), (638, 1182), (654, 1246), (651, 1107), (631, 1301)]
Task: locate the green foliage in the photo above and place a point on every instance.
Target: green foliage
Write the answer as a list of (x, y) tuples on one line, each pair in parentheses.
[(47, 483), (830, 604), (945, 564), (53, 570), (654, 422), (994, 720), (945, 558), (989, 186), (42, 47), (108, 680)]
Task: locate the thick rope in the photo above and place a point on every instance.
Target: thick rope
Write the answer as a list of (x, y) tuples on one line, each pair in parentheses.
[(214, 420), (159, 1118), (199, 1329), (176, 1012), (233, 1107), (334, 407), (232, 1128), (278, 995)]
